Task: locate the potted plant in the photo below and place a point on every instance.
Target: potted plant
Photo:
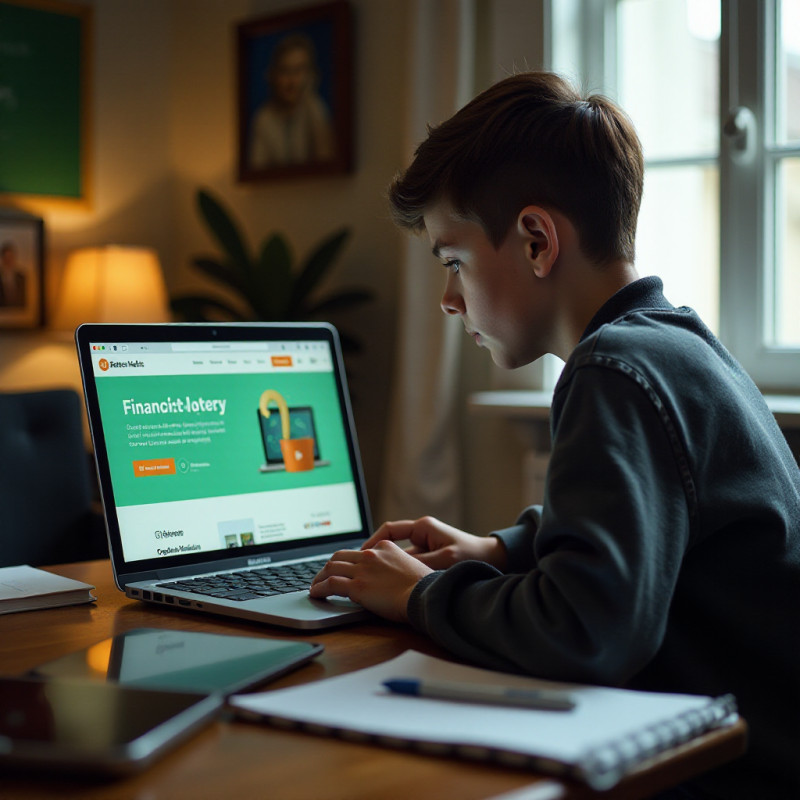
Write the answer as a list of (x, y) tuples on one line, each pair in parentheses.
[(268, 285)]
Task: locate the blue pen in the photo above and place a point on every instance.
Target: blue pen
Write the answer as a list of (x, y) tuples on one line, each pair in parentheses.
[(545, 699)]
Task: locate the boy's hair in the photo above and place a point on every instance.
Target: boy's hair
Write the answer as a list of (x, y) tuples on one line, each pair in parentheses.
[(531, 139)]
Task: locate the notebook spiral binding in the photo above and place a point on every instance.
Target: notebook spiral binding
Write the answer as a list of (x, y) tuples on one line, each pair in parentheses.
[(603, 767)]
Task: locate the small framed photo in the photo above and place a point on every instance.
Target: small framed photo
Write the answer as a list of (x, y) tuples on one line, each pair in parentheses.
[(295, 73), (21, 270)]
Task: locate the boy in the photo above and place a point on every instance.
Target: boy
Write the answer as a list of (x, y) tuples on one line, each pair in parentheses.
[(666, 554)]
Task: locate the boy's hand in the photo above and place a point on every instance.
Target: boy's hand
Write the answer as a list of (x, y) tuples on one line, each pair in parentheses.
[(380, 579), (438, 545)]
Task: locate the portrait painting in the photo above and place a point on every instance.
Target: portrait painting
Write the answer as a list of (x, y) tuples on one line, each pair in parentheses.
[(295, 93), (21, 268)]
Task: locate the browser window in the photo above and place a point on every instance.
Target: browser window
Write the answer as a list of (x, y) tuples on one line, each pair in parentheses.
[(219, 445)]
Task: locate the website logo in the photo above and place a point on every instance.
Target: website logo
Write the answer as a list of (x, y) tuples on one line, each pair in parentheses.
[(106, 365)]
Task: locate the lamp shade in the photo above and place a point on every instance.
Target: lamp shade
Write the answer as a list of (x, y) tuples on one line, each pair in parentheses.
[(112, 284)]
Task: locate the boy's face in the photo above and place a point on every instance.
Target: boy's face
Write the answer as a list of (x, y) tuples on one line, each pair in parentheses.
[(292, 76), (501, 302)]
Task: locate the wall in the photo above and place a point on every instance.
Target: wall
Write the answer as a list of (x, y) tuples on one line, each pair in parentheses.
[(164, 121), (129, 166), (203, 150)]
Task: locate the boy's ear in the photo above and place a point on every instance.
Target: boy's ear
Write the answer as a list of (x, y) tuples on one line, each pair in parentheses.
[(538, 232)]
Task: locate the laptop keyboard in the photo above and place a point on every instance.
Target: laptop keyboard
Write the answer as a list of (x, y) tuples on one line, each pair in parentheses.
[(250, 584)]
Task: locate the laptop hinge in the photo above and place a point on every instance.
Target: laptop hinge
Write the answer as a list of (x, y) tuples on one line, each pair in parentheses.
[(240, 562)]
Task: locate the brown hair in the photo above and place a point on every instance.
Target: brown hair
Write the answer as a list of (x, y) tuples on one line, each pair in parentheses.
[(531, 139)]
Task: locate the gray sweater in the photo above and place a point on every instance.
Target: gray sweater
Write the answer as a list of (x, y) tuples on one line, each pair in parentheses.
[(666, 554)]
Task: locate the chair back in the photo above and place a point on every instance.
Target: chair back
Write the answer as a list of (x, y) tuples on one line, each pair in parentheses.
[(46, 485)]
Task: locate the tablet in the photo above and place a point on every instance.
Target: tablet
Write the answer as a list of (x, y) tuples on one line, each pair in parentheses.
[(85, 726), (183, 660)]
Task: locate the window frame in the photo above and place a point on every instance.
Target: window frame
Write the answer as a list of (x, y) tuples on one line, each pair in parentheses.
[(747, 178)]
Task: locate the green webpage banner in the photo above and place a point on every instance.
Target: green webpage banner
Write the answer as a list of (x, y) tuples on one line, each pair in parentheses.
[(196, 463)]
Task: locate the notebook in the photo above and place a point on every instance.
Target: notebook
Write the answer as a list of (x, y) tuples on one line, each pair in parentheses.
[(26, 588), (608, 733), (194, 521)]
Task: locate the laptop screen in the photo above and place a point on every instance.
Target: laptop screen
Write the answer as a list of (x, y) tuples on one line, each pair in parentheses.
[(221, 444)]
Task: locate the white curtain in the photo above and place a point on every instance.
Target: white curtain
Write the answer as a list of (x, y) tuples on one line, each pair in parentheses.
[(423, 471)]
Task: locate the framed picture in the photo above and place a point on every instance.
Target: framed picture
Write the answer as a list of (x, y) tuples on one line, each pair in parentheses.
[(295, 73), (45, 125), (21, 270)]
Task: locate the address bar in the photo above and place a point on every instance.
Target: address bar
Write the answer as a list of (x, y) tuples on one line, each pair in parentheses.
[(220, 347)]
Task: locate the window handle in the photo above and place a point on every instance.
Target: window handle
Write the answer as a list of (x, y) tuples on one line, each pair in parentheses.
[(740, 129)]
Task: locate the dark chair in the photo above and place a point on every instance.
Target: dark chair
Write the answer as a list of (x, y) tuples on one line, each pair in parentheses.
[(48, 504)]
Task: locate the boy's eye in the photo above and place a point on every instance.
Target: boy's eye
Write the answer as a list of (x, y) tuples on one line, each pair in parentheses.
[(454, 265)]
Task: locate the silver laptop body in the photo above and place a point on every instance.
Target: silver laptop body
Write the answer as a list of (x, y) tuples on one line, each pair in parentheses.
[(179, 415)]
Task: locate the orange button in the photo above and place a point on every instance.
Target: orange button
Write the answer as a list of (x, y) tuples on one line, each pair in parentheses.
[(281, 361), (154, 466)]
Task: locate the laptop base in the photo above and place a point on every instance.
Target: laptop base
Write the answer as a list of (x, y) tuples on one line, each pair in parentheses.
[(294, 610)]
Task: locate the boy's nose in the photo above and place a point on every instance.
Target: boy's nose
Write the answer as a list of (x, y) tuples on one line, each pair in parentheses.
[(452, 305), (452, 302)]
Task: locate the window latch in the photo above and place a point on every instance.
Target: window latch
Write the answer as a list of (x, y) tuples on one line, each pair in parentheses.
[(740, 129)]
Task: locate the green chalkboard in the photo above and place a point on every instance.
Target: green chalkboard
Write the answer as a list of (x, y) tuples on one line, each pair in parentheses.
[(43, 104)]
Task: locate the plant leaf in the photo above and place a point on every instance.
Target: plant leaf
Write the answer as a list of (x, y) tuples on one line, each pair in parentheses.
[(220, 271), (339, 301), (201, 308), (225, 230), (317, 264), (272, 279)]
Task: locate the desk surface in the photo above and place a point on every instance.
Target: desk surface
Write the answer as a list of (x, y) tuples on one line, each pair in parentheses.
[(243, 760)]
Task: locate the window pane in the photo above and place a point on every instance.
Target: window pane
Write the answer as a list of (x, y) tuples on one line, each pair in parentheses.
[(788, 110), (788, 255), (668, 74), (678, 239)]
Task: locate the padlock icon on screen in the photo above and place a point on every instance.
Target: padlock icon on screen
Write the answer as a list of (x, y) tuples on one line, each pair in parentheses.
[(298, 454)]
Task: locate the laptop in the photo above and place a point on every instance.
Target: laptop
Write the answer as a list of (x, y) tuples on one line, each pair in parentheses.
[(301, 423), (194, 522)]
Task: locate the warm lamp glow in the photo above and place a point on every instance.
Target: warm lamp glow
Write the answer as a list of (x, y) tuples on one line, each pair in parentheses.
[(98, 658), (111, 284)]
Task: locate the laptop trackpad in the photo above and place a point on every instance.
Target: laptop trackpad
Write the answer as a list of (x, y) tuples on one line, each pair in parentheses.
[(301, 605), (343, 603)]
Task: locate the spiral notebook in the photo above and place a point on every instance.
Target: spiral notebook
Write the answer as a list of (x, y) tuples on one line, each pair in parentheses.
[(609, 732)]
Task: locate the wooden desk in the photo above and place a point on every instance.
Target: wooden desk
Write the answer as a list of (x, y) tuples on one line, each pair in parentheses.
[(241, 760)]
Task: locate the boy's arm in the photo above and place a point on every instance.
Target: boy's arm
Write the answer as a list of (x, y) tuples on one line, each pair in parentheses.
[(518, 540), (605, 558)]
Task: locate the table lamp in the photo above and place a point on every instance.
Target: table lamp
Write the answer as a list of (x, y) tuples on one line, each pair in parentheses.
[(113, 283)]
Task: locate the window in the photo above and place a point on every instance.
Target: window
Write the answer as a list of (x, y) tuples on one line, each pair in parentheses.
[(713, 89), (785, 152)]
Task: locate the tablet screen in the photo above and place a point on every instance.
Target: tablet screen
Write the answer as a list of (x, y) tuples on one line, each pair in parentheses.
[(86, 726), (183, 660)]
